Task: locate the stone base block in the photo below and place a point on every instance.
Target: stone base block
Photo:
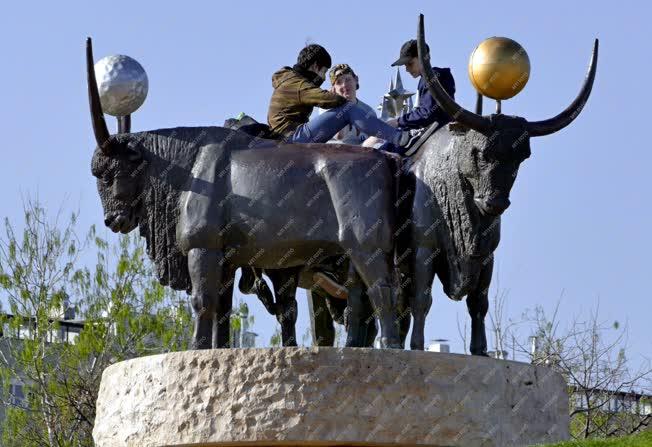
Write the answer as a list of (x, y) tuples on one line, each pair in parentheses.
[(328, 397)]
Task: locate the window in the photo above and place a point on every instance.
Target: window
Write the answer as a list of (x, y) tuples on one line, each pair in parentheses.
[(613, 404), (72, 337), (646, 408), (580, 401), (24, 333), (16, 394)]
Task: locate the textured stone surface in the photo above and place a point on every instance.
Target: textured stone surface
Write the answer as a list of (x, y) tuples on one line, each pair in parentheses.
[(328, 396)]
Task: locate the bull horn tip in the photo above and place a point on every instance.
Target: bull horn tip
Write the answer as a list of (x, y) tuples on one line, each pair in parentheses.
[(596, 45), (555, 124)]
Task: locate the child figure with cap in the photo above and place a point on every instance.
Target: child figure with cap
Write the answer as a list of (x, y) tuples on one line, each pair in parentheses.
[(428, 113)]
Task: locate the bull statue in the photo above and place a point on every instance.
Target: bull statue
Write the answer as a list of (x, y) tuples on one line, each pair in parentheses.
[(327, 305), (209, 199), (457, 186)]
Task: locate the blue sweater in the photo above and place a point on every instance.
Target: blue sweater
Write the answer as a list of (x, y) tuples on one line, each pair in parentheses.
[(429, 111)]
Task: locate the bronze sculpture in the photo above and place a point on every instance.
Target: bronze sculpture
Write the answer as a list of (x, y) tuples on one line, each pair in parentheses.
[(228, 202), (210, 199), (460, 182), (325, 307)]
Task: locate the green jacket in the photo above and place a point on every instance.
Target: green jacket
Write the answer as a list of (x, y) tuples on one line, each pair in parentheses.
[(294, 98)]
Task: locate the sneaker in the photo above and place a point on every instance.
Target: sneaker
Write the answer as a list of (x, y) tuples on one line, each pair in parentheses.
[(419, 138), (408, 139), (405, 138), (328, 283)]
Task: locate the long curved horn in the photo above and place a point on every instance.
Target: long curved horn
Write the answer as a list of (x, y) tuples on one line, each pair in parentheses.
[(459, 113), (552, 125), (102, 134)]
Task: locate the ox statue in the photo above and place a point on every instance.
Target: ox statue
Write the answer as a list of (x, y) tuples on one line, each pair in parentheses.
[(457, 186), (326, 308), (210, 199)]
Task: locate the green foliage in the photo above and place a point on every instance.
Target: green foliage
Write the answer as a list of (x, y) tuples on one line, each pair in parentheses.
[(275, 340), (126, 314), (640, 440), (591, 356), (239, 317)]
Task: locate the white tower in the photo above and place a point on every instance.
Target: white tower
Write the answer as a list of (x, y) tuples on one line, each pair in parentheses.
[(397, 100)]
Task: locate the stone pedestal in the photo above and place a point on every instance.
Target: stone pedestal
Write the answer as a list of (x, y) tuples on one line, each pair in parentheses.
[(328, 397)]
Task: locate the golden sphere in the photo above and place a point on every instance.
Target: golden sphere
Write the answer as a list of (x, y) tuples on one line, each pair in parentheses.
[(499, 68)]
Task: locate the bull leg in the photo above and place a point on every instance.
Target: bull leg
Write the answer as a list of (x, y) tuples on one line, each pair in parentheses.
[(375, 269), (405, 290), (369, 327), (404, 320), (477, 303), (205, 271), (321, 322), (421, 299), (222, 322), (353, 310), (285, 283)]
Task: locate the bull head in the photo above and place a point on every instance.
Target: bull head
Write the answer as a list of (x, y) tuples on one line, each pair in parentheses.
[(497, 144), (117, 163)]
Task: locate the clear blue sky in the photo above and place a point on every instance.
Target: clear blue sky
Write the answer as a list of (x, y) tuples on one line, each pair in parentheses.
[(579, 220)]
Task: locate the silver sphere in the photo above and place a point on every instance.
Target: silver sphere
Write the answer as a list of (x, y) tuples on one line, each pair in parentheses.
[(122, 83)]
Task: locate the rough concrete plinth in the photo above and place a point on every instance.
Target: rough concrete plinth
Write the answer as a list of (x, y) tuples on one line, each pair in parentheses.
[(328, 397)]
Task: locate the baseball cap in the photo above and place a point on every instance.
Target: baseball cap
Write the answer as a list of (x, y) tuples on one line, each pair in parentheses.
[(408, 51)]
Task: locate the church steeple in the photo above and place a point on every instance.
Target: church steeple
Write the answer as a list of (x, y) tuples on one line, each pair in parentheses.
[(397, 100)]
